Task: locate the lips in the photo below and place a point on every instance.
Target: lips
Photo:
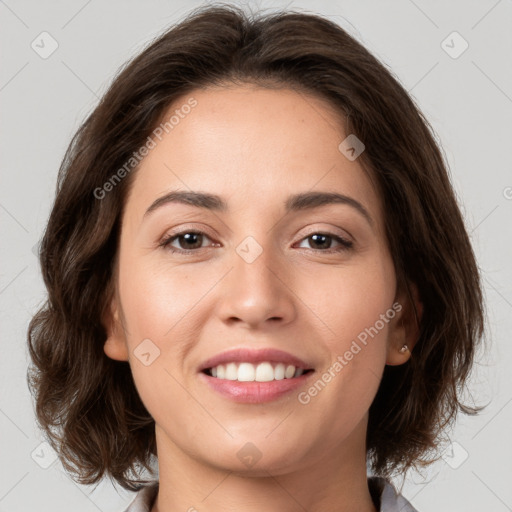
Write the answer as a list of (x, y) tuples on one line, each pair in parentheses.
[(255, 392), (252, 376)]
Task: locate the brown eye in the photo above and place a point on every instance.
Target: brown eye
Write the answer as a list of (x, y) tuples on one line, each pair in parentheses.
[(323, 242), (186, 241)]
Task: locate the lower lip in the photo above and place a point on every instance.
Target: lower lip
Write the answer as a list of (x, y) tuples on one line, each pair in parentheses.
[(254, 392)]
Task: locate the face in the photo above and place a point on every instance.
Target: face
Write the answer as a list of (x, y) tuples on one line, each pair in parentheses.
[(255, 281)]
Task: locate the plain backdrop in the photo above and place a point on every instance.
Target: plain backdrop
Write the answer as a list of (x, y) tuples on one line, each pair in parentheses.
[(466, 94)]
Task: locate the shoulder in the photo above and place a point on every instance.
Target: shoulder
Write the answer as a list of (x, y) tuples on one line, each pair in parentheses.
[(144, 498), (383, 492)]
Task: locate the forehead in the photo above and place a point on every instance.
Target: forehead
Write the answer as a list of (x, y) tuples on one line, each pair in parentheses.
[(253, 146)]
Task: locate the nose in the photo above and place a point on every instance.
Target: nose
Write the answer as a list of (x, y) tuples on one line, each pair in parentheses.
[(257, 294)]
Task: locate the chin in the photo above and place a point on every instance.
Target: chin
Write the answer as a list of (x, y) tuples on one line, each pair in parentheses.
[(258, 456)]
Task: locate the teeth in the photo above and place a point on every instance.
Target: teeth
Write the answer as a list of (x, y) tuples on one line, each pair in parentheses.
[(262, 372), (289, 372), (246, 372), (279, 371), (231, 371)]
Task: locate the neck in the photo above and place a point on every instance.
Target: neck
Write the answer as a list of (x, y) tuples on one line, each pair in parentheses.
[(337, 483)]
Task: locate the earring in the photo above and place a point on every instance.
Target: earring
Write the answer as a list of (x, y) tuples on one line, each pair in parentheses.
[(404, 349)]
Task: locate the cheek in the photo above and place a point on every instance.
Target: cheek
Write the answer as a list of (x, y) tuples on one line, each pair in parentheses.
[(161, 327), (352, 301), (355, 306), (159, 300), (162, 306)]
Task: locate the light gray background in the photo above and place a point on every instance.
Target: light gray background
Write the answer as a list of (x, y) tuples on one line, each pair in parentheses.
[(468, 100)]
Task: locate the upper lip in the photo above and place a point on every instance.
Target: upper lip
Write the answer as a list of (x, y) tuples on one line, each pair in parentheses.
[(249, 355)]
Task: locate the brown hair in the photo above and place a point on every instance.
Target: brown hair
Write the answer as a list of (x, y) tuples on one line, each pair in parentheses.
[(87, 403)]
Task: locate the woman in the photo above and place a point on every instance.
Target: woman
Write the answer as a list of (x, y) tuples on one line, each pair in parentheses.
[(257, 272)]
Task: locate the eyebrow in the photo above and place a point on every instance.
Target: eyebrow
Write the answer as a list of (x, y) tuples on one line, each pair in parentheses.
[(294, 203)]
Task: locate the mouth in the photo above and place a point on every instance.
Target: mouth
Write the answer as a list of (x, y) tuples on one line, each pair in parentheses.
[(254, 376)]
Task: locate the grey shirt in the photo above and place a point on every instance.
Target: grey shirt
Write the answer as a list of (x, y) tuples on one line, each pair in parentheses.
[(382, 491)]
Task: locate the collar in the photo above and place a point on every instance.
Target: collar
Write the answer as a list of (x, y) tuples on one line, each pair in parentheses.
[(384, 496)]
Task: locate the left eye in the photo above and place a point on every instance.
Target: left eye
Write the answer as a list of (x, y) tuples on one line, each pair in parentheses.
[(323, 239)]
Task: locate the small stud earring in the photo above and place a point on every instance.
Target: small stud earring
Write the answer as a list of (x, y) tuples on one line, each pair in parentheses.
[(404, 349)]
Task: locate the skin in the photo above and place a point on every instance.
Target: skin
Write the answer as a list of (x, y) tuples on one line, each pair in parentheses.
[(255, 147)]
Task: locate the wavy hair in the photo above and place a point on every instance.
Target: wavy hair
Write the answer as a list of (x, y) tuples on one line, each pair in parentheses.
[(86, 403)]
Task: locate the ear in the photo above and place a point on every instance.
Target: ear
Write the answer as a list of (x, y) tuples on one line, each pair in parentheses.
[(404, 328), (116, 346)]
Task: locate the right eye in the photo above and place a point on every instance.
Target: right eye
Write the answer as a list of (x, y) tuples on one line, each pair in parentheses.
[(188, 241)]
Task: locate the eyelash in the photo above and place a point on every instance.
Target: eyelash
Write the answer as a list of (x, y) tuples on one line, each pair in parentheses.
[(345, 245)]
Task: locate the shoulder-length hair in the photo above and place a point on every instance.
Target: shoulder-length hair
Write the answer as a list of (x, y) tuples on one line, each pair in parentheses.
[(86, 403)]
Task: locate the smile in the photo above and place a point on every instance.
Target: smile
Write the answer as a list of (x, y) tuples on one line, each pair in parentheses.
[(254, 376)]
